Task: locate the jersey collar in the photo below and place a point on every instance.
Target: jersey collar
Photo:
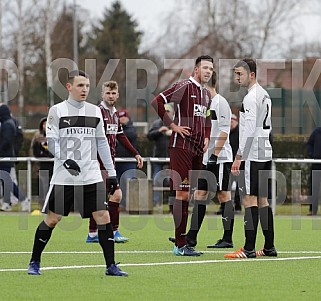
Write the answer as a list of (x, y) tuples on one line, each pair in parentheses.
[(253, 87), (196, 82), (111, 110), (75, 103)]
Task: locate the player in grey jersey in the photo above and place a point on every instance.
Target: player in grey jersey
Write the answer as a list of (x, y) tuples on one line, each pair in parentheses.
[(253, 158), (76, 177)]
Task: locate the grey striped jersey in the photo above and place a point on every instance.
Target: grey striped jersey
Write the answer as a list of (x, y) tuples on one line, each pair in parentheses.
[(221, 122), (75, 131), (255, 125)]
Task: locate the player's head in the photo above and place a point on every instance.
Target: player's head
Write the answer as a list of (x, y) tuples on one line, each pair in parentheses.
[(245, 72), (109, 93), (212, 82), (204, 66), (211, 85), (78, 85)]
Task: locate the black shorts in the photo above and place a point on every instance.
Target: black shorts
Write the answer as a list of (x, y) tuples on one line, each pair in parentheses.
[(222, 174), (254, 178), (85, 199)]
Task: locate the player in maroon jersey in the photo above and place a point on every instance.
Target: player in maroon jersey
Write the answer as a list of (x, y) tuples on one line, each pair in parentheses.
[(114, 133), (191, 131)]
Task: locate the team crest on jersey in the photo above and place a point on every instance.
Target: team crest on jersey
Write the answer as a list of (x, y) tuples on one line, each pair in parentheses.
[(111, 129), (185, 183), (200, 110), (207, 99)]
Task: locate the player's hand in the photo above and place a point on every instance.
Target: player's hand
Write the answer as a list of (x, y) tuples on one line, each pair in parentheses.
[(182, 130), (140, 161), (211, 163), (235, 169), (111, 185), (72, 167), (206, 143), (163, 129)]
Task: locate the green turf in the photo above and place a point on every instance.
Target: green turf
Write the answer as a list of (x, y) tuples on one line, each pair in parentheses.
[(296, 277)]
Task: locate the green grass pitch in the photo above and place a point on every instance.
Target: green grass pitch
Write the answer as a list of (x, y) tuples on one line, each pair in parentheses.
[(74, 270)]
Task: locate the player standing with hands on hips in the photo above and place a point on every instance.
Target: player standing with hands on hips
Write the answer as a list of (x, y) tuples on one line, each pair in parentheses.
[(76, 135), (191, 131)]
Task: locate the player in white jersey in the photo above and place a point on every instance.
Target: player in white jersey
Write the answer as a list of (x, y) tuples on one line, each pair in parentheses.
[(253, 158), (75, 135), (217, 160)]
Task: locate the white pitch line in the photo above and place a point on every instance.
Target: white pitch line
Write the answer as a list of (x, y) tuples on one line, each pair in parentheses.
[(145, 252), (169, 263)]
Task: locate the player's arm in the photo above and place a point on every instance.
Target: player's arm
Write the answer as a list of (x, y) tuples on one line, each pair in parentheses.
[(158, 104), (208, 125), (248, 134), (52, 132), (224, 125), (124, 141), (174, 94)]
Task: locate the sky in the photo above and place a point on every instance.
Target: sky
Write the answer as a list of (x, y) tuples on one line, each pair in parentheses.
[(150, 13)]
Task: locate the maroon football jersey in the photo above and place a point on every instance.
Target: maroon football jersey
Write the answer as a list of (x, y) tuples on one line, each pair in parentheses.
[(191, 102), (112, 127)]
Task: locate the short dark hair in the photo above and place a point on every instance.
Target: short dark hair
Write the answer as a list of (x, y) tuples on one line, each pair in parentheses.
[(72, 74), (203, 58), (110, 84), (248, 63)]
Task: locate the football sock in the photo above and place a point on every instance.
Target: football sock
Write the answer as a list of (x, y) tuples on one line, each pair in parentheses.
[(228, 220), (180, 214), (42, 236), (113, 209), (266, 220), (106, 241), (197, 218), (251, 220), (92, 226)]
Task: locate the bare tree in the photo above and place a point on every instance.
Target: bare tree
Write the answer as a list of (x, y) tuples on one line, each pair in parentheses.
[(233, 28), (23, 14), (20, 54), (49, 27)]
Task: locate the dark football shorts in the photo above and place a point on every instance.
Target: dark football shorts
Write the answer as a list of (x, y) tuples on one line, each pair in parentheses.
[(255, 178), (222, 182), (85, 199), (182, 163)]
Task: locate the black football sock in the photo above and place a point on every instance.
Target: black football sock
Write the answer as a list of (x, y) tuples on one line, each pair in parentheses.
[(251, 220), (42, 236), (266, 220), (106, 241), (228, 220), (197, 218)]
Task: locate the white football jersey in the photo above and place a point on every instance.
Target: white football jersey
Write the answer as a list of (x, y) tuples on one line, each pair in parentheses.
[(255, 125), (220, 122), (75, 131)]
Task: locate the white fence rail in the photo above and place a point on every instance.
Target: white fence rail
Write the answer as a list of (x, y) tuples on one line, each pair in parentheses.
[(148, 161)]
